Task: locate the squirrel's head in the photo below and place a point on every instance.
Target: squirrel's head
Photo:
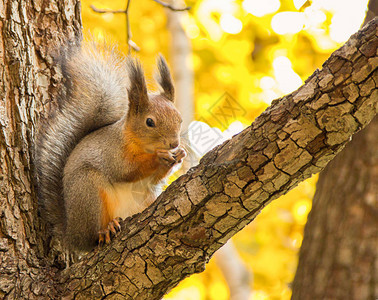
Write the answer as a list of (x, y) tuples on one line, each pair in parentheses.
[(152, 120)]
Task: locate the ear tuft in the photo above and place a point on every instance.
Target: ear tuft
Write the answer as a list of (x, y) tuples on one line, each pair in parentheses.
[(137, 91), (164, 79)]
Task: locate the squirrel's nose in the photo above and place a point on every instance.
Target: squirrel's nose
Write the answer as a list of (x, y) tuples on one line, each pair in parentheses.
[(174, 145)]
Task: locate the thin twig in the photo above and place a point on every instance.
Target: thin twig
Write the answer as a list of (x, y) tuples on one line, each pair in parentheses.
[(130, 43), (167, 5), (104, 11), (128, 29)]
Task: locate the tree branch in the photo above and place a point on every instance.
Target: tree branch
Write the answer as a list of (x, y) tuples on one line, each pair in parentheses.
[(167, 5), (106, 11), (130, 43), (293, 139)]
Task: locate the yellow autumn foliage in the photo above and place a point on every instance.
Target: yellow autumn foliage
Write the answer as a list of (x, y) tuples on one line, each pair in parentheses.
[(254, 51)]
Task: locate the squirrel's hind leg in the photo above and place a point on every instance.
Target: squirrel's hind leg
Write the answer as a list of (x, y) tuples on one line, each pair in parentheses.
[(90, 202)]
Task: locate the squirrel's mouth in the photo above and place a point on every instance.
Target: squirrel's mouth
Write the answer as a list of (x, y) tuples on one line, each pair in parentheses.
[(150, 151)]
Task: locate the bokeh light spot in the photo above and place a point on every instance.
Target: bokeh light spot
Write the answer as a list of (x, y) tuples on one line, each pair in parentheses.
[(287, 79), (288, 22), (230, 24), (261, 8)]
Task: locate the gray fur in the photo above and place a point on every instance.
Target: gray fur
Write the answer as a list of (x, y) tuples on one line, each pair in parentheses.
[(80, 147), (92, 165), (94, 95)]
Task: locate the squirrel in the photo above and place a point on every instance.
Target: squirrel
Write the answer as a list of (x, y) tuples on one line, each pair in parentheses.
[(106, 150)]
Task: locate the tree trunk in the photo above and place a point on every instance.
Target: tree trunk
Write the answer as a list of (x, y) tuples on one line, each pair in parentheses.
[(27, 31), (338, 257), (181, 52), (231, 265), (173, 238)]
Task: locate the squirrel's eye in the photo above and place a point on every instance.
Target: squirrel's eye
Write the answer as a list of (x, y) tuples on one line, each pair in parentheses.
[(150, 122)]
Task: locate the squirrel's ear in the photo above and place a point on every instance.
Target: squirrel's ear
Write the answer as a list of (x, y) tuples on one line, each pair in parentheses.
[(164, 79), (137, 91)]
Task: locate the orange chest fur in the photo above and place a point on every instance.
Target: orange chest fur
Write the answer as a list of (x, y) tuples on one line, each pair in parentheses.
[(142, 164)]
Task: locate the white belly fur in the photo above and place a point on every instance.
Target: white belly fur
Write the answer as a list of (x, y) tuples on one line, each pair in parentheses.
[(134, 197)]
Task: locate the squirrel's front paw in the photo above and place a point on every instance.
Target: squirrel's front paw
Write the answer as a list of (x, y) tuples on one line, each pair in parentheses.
[(166, 157), (170, 158), (179, 154), (113, 227)]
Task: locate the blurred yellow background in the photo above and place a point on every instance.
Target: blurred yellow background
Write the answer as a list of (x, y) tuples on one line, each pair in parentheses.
[(255, 51)]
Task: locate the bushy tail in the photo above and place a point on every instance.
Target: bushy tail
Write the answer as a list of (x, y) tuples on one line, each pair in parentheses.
[(94, 95)]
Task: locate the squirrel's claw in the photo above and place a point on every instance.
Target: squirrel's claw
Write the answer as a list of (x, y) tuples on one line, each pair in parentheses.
[(113, 227), (166, 157), (179, 155), (170, 158), (104, 237)]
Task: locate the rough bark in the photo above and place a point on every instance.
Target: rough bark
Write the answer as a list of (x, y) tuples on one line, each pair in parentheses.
[(27, 31), (294, 138), (338, 257)]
